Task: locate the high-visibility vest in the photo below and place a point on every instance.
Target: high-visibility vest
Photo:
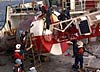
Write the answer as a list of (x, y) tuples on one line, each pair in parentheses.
[(18, 55), (81, 51)]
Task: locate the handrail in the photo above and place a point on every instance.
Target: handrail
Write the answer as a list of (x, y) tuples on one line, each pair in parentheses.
[(75, 20)]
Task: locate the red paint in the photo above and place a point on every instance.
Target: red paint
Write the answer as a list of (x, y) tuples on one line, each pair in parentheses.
[(90, 4), (44, 46), (64, 46)]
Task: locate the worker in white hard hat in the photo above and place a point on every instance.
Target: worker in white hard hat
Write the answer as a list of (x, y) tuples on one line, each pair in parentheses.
[(80, 44), (19, 53), (79, 56), (18, 46)]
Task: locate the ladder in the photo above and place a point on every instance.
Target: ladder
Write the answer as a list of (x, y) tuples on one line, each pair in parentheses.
[(33, 56), (36, 54)]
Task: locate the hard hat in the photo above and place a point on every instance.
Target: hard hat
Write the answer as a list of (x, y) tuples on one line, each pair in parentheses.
[(18, 46), (17, 50), (98, 70), (32, 68), (80, 44), (18, 61), (47, 32)]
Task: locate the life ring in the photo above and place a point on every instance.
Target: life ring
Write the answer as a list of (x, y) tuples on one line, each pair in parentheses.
[(55, 48)]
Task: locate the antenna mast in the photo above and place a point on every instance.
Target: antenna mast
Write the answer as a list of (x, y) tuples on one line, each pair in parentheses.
[(23, 1)]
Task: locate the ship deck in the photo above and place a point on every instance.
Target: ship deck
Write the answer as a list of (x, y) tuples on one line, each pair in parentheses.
[(60, 63)]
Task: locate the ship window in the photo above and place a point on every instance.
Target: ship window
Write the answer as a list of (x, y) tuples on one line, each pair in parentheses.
[(84, 27), (18, 10)]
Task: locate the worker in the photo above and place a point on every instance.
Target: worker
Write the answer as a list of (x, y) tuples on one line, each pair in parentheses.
[(17, 67), (74, 42), (67, 12), (62, 17), (79, 56), (19, 53)]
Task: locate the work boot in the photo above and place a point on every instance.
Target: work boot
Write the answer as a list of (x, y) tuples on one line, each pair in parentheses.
[(76, 70)]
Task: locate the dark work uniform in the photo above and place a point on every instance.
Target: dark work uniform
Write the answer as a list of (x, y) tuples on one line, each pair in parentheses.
[(20, 55), (67, 12), (79, 58), (75, 48), (62, 17), (48, 20), (15, 68)]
